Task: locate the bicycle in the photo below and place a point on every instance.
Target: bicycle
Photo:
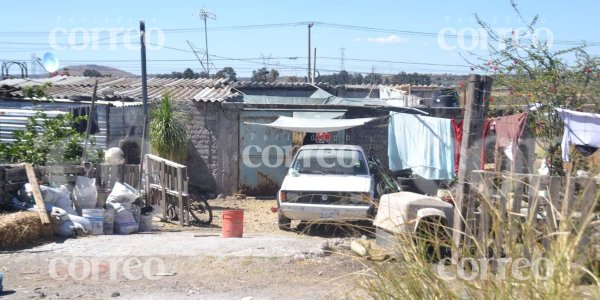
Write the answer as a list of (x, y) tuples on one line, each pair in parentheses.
[(385, 184), (196, 206)]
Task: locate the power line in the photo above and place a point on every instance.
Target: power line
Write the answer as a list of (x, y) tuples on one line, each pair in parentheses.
[(322, 24)]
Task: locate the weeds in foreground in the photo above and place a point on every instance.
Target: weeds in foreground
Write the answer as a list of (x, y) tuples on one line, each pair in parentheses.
[(514, 255)]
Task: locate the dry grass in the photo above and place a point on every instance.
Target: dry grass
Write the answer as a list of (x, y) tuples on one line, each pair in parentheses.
[(413, 274), (17, 229)]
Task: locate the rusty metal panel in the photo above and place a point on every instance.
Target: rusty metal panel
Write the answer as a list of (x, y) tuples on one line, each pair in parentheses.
[(265, 153)]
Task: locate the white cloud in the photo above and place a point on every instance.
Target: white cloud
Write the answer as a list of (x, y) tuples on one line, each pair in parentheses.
[(390, 39)]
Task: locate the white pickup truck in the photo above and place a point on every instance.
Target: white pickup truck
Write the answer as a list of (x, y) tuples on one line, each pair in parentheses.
[(326, 182)]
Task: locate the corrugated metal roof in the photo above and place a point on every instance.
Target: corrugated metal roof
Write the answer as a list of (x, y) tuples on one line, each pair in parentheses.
[(128, 89), (293, 85)]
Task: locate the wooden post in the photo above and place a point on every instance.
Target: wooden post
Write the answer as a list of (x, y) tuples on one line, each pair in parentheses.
[(37, 194), (476, 107)]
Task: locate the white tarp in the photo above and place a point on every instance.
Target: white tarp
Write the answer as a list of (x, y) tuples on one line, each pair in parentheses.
[(314, 125)]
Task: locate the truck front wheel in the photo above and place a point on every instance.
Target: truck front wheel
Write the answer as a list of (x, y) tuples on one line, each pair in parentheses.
[(284, 222)]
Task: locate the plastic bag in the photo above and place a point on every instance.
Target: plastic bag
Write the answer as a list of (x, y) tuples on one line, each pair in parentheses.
[(85, 193), (66, 227), (122, 193), (55, 197)]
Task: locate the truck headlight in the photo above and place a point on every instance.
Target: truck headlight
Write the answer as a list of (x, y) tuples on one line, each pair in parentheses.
[(292, 196)]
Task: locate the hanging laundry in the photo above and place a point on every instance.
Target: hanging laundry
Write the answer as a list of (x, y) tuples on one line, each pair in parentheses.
[(457, 128), (508, 132), (580, 129), (423, 144)]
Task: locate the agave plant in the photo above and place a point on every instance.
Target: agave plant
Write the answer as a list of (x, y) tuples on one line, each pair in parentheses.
[(167, 130)]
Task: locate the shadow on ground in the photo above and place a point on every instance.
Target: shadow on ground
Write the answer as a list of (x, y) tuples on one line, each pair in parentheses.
[(337, 230)]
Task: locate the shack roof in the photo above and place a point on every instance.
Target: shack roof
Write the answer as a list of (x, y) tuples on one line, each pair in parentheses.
[(80, 88)]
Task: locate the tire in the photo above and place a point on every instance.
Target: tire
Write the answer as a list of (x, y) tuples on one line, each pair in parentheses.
[(283, 222), (200, 210)]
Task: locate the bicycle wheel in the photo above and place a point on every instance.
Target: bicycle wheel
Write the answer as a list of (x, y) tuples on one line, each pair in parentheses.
[(200, 210)]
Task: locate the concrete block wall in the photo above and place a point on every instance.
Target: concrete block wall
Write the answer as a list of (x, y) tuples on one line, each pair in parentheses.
[(375, 133), (213, 149)]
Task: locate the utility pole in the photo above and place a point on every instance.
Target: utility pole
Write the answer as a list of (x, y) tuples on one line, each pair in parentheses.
[(314, 74), (145, 133), (204, 15), (310, 25), (343, 57)]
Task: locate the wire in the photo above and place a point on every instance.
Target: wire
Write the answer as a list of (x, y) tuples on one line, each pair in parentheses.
[(321, 24)]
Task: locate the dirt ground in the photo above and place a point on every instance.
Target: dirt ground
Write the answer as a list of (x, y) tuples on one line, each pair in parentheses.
[(189, 262)]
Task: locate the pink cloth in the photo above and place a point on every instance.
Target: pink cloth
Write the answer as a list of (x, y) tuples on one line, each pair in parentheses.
[(508, 131)]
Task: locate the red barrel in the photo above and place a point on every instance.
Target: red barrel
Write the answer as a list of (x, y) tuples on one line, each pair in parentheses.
[(233, 223)]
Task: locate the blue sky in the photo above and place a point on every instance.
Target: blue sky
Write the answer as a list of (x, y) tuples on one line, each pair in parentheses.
[(34, 27)]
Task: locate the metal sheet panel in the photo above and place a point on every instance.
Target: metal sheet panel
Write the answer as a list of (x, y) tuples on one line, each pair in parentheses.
[(264, 152)]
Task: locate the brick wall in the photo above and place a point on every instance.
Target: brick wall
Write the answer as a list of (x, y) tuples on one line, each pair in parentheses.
[(212, 159)]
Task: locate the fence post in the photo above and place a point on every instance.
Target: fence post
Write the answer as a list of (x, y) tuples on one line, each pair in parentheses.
[(476, 107)]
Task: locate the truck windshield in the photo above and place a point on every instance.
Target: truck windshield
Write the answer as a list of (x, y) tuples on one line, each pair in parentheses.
[(330, 161)]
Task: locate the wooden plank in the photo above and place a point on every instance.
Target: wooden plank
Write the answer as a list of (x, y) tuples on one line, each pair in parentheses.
[(37, 194), (162, 178), (588, 196), (185, 192), (486, 207), (478, 91), (159, 188), (59, 179), (568, 199), (16, 174), (62, 169), (552, 210), (180, 197), (147, 172)]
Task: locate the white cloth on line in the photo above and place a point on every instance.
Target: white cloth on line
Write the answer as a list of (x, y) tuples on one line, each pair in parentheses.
[(423, 144), (580, 129), (314, 125)]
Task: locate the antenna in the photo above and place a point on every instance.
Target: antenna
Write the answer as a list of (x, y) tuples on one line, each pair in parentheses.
[(196, 54), (204, 15)]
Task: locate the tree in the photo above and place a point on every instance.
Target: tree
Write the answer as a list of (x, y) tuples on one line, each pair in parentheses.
[(227, 72), (48, 141), (294, 78), (373, 78), (188, 74), (534, 74), (262, 75), (91, 73), (168, 135)]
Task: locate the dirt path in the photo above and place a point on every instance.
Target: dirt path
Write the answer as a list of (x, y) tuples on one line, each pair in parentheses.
[(189, 262)]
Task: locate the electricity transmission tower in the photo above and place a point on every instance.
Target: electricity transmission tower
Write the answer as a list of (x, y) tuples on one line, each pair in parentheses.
[(204, 15)]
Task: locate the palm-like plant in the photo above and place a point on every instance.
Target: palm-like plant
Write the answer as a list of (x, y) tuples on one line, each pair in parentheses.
[(167, 131)]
